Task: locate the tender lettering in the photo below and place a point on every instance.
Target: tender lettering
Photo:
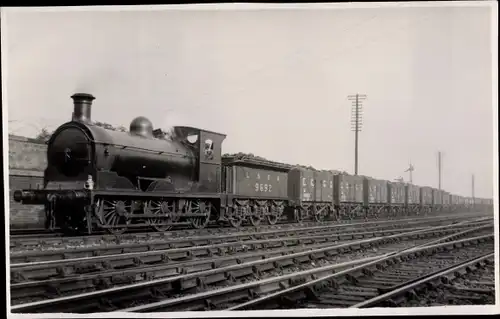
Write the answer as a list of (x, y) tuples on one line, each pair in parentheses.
[(265, 188)]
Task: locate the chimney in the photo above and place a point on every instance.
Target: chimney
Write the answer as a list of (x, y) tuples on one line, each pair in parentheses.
[(82, 107)]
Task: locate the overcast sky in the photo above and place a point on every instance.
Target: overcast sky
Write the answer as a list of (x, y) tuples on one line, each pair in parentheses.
[(275, 81)]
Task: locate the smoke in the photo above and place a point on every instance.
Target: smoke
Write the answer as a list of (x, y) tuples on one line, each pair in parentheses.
[(96, 78), (83, 87), (173, 118)]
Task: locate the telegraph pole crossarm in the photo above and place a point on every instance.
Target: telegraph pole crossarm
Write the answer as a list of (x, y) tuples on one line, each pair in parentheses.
[(410, 169), (356, 117)]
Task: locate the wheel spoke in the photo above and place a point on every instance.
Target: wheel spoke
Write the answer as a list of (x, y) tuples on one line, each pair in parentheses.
[(163, 209), (112, 217), (110, 213), (195, 207)]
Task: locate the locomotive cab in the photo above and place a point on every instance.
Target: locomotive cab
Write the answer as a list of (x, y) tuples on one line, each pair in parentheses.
[(207, 146)]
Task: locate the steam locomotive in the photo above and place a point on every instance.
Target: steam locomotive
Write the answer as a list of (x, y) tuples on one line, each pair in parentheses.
[(98, 178)]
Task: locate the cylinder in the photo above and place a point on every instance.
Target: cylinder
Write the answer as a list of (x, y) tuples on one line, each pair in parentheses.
[(82, 103)]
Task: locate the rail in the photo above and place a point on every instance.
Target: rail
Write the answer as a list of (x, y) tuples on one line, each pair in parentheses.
[(437, 275)]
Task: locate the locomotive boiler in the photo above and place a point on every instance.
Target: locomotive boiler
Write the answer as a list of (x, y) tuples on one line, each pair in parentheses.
[(115, 159), (119, 176)]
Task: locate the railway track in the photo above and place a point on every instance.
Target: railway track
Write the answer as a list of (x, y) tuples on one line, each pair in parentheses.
[(21, 244), (469, 283), (377, 281), (253, 269), (231, 297)]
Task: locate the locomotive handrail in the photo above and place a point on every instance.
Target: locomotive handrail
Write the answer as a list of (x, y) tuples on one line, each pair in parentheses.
[(140, 149)]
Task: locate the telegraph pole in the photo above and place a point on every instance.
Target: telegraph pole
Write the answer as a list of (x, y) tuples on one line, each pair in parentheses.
[(439, 170), (356, 123), (411, 169), (473, 201)]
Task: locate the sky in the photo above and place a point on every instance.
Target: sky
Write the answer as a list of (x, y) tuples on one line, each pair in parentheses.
[(275, 81)]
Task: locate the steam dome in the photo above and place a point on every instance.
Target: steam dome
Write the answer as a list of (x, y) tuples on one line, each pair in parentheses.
[(141, 126)]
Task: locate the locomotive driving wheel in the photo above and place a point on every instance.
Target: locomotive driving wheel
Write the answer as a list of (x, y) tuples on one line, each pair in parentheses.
[(162, 208), (113, 214), (199, 207)]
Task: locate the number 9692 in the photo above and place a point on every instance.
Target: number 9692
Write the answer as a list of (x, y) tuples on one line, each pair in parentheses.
[(265, 188)]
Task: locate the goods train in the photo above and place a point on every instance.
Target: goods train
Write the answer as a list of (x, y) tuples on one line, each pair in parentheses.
[(101, 179)]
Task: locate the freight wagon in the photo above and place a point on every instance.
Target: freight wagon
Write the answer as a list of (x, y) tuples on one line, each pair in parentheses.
[(412, 199), (461, 202), (469, 203), (376, 197), (397, 198), (437, 199), (446, 200), (348, 195), (454, 203), (426, 199), (482, 204), (253, 192), (311, 193)]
